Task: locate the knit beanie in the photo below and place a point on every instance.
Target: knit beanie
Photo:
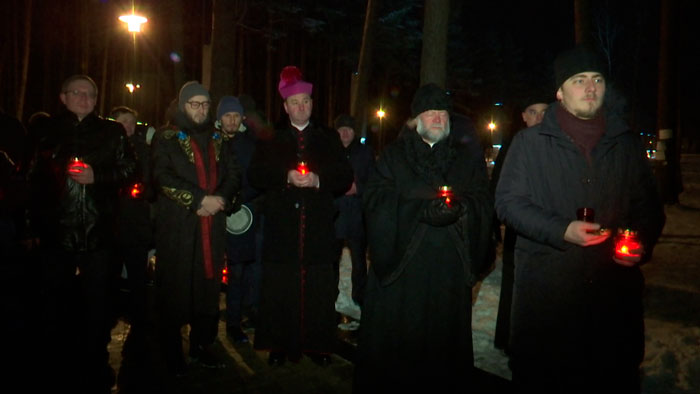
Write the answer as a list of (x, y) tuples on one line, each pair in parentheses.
[(573, 61), (228, 104), (189, 90), (344, 120), (291, 83), (430, 97)]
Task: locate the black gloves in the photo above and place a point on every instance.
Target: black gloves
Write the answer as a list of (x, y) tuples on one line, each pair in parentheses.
[(439, 213)]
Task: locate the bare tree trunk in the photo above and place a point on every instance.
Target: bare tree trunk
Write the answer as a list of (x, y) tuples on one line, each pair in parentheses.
[(433, 67), (331, 101), (25, 58), (223, 54), (670, 181), (582, 21), (360, 79), (177, 23)]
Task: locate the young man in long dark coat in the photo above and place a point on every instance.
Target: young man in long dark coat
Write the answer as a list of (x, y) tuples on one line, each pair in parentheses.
[(301, 169), (198, 181), (425, 254), (577, 320)]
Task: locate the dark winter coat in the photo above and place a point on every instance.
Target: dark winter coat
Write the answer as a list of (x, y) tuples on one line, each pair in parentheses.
[(180, 275), (298, 291), (68, 215), (573, 307), (416, 319), (350, 222)]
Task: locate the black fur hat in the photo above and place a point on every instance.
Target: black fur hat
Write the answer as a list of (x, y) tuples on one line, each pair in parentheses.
[(430, 97)]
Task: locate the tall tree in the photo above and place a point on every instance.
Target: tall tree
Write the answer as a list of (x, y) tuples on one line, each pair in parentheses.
[(360, 79), (223, 59), (582, 21), (25, 58), (434, 55)]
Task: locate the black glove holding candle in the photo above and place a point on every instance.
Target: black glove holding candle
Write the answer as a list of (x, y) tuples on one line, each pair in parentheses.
[(440, 213)]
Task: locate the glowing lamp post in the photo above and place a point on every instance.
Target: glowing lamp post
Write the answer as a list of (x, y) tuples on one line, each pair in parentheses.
[(131, 87), (380, 114), (133, 22)]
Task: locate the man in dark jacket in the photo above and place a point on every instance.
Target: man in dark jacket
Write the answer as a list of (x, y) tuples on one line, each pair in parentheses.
[(429, 215), (80, 163), (350, 223), (197, 179), (577, 320), (243, 265), (300, 170)]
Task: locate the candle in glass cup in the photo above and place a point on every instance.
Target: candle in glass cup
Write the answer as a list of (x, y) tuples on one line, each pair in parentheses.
[(76, 165), (302, 168), (626, 242), (446, 192)]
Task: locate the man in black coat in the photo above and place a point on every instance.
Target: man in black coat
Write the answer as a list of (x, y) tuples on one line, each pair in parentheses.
[(577, 319), (301, 170), (429, 214), (350, 223), (197, 179), (80, 163)]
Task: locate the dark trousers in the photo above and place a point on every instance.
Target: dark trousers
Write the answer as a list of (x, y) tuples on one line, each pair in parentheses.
[(135, 259), (502, 335), (243, 289)]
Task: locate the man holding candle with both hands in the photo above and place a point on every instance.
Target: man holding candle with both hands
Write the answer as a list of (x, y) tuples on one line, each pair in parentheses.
[(577, 318)]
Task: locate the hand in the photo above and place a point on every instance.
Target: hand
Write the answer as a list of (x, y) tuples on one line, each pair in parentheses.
[(439, 213), (296, 178), (352, 190), (211, 204), (81, 173), (584, 233)]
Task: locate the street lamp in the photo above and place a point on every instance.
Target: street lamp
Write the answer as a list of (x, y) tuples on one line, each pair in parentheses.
[(133, 22), (131, 87), (381, 114)]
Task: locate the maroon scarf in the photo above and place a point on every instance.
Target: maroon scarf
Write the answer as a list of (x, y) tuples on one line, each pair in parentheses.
[(585, 132), (208, 184)]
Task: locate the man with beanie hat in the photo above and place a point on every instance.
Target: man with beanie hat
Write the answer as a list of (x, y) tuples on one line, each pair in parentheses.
[(198, 181), (577, 319), (241, 251), (301, 169), (350, 224), (429, 214)]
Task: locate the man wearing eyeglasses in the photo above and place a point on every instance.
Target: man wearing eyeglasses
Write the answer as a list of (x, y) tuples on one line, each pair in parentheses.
[(197, 179), (81, 160)]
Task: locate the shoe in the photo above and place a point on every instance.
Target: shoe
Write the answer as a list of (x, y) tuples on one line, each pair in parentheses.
[(320, 359), (277, 358), (237, 334), (206, 357)]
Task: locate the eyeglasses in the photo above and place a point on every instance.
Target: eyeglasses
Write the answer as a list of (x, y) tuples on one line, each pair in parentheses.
[(78, 93), (196, 104)]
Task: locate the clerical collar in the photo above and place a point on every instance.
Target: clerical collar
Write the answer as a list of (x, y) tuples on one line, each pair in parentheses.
[(302, 127)]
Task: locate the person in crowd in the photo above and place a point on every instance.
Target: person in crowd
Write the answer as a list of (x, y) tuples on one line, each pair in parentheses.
[(241, 243), (533, 110), (301, 170), (198, 181), (577, 320), (350, 224), (429, 214), (80, 163), (134, 225)]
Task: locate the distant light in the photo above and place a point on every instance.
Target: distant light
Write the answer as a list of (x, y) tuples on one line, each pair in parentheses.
[(363, 140), (492, 126), (380, 113), (133, 22), (498, 104), (175, 57), (131, 87)]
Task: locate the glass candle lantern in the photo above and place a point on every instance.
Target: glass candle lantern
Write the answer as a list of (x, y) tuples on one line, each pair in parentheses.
[(76, 165), (302, 168), (446, 193), (626, 243)]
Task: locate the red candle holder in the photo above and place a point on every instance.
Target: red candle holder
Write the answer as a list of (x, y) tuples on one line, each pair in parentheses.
[(446, 192), (302, 168), (626, 242), (136, 190), (76, 165)]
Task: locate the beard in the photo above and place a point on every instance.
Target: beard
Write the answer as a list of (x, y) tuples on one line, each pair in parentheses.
[(434, 134)]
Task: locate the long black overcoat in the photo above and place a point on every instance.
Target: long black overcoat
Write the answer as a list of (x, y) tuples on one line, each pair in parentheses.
[(574, 308)]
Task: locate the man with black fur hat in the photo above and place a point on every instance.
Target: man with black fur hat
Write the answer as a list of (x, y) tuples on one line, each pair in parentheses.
[(197, 179), (429, 214), (577, 320)]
